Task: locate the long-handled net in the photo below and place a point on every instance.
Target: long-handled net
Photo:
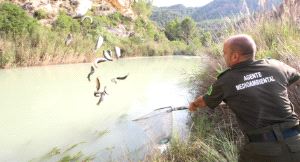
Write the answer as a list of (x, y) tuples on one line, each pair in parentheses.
[(158, 124)]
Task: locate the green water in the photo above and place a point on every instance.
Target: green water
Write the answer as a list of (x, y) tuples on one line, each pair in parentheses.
[(53, 106)]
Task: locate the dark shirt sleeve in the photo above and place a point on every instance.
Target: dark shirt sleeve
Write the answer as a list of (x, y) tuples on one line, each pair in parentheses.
[(215, 96), (291, 74)]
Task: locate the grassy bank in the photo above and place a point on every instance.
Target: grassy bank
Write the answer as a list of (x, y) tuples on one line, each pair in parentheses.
[(213, 139)]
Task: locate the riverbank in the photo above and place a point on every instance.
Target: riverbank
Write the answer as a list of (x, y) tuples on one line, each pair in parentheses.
[(24, 41)]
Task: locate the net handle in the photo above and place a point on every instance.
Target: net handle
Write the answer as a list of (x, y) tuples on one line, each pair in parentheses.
[(173, 108), (168, 111), (167, 107)]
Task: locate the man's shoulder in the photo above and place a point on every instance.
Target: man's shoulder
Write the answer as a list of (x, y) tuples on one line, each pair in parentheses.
[(222, 74), (229, 73), (275, 64), (268, 62), (271, 61)]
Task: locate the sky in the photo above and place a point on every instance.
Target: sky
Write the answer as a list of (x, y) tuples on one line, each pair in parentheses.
[(186, 3)]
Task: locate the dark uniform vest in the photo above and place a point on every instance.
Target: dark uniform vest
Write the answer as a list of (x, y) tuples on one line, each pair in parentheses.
[(256, 91)]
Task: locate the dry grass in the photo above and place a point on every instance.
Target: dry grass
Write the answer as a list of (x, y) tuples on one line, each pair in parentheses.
[(45, 48)]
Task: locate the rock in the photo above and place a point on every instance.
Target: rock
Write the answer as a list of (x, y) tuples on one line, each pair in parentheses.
[(77, 8)]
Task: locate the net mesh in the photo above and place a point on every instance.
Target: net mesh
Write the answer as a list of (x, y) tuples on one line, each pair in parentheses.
[(157, 125)]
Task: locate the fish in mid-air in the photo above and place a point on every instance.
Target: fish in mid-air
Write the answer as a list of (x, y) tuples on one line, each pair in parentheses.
[(102, 94), (107, 55), (122, 77), (97, 92), (99, 43), (91, 72), (87, 17), (69, 39), (99, 60), (97, 84), (118, 52), (114, 80)]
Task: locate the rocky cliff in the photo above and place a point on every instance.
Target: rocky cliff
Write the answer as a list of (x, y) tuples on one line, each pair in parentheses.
[(76, 8)]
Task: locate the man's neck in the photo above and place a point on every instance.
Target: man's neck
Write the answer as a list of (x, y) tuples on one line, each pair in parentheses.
[(241, 62)]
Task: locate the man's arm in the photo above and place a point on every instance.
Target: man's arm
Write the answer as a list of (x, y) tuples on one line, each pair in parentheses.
[(291, 74), (198, 103), (211, 99)]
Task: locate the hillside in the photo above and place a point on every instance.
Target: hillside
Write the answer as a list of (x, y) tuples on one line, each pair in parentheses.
[(214, 10), (55, 32), (162, 15), (75, 8)]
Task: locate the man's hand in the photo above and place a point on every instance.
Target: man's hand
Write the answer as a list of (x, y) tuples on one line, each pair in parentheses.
[(198, 103), (193, 107)]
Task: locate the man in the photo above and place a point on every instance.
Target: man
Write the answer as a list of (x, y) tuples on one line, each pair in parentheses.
[(256, 91)]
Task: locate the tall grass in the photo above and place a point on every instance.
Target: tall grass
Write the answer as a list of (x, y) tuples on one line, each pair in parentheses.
[(214, 138), (44, 47)]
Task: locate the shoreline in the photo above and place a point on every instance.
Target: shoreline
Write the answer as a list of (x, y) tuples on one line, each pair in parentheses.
[(83, 59)]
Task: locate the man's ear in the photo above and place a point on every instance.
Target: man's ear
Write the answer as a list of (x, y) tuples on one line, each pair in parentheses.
[(235, 57)]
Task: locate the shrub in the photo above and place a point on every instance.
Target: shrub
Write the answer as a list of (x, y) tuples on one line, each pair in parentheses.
[(102, 21), (14, 19), (66, 23), (151, 30), (205, 38), (142, 8), (115, 17), (5, 58), (140, 25), (40, 14)]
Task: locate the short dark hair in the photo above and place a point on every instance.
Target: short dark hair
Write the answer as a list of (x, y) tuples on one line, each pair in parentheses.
[(243, 44)]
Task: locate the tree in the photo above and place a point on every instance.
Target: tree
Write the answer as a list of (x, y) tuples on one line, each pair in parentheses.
[(172, 30), (185, 30), (188, 30), (142, 8)]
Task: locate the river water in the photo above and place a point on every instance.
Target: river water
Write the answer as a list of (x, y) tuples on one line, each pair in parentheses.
[(50, 113)]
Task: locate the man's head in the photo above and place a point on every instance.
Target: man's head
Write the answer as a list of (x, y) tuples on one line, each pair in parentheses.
[(239, 48)]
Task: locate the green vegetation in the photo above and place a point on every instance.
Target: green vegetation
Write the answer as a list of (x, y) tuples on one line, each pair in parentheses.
[(187, 32), (188, 27), (277, 40), (14, 20), (210, 141), (41, 45), (40, 14), (142, 8), (65, 23), (24, 42), (213, 138), (66, 154)]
